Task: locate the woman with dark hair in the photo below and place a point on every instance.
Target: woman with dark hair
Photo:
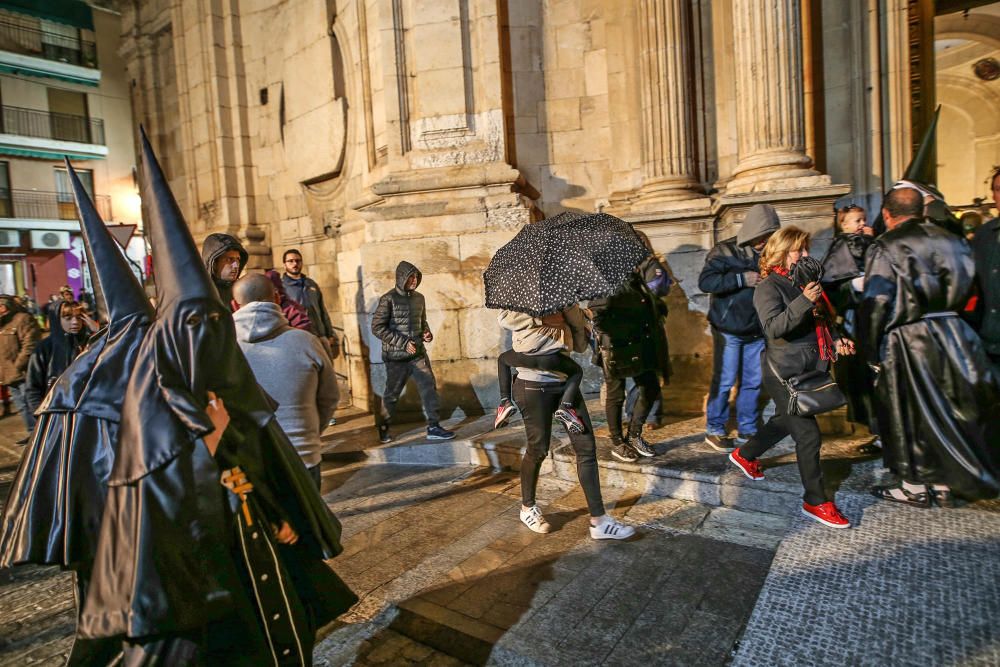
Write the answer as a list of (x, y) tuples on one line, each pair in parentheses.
[(843, 276), (798, 339)]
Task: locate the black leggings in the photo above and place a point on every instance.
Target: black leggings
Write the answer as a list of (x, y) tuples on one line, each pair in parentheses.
[(554, 361), (538, 402)]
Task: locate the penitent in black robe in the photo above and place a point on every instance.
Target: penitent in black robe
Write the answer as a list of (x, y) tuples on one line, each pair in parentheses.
[(937, 392)]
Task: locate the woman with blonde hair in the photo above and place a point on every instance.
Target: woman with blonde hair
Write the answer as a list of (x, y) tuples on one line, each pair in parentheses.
[(794, 314)]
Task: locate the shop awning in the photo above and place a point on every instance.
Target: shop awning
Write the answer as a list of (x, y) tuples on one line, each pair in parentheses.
[(70, 12)]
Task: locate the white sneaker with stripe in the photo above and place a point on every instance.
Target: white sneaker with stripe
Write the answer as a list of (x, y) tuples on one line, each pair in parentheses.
[(608, 528), (533, 519)]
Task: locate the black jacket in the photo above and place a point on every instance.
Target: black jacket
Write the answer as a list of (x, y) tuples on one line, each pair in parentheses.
[(731, 309), (52, 356), (986, 253), (401, 317), (306, 292), (936, 389), (211, 250), (786, 316), (627, 329)]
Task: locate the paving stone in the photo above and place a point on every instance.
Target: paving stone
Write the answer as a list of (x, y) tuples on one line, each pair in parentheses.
[(904, 586)]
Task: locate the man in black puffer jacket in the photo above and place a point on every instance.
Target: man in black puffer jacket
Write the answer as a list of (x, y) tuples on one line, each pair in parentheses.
[(400, 322), (731, 271)]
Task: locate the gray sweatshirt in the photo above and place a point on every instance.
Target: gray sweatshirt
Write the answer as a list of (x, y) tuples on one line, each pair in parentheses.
[(294, 369)]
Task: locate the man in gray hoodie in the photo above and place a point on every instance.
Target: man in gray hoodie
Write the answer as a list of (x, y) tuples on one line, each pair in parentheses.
[(290, 365)]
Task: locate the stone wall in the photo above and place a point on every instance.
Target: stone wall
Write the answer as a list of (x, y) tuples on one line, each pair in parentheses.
[(365, 132)]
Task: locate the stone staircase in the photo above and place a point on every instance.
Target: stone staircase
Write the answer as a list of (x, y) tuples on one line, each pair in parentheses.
[(685, 467)]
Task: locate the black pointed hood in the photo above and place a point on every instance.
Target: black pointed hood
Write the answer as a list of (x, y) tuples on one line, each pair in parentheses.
[(115, 285), (190, 350), (177, 264), (923, 167)]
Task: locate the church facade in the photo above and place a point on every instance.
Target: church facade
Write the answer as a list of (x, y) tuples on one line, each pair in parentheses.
[(366, 132)]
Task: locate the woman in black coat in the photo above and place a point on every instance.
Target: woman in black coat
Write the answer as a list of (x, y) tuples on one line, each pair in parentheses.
[(843, 271), (798, 340)]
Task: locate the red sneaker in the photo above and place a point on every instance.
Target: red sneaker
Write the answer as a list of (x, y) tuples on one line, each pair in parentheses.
[(504, 412), (827, 514), (749, 468)]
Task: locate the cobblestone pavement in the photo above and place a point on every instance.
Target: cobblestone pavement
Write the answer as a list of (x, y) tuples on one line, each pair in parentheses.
[(905, 586), (438, 554)]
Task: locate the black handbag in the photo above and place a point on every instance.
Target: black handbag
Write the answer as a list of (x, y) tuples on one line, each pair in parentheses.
[(811, 393)]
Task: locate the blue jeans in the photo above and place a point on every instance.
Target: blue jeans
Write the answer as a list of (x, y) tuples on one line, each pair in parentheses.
[(735, 358), (20, 400)]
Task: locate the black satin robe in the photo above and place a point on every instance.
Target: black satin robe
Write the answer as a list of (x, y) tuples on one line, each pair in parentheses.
[(169, 564), (939, 401), (53, 511)]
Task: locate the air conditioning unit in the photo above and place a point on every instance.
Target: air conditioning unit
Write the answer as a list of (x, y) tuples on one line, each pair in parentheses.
[(9, 238), (48, 240)]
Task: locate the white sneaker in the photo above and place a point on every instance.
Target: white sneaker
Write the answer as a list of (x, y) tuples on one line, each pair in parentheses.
[(533, 519), (608, 528)]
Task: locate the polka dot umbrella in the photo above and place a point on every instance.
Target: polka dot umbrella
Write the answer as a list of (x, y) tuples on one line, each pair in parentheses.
[(559, 261)]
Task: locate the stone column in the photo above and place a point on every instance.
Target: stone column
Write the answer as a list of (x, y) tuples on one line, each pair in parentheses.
[(669, 167), (769, 96)]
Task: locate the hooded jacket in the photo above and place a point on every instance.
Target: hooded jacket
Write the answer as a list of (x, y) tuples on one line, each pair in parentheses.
[(401, 317), (731, 308), (52, 356), (213, 248), (294, 369)]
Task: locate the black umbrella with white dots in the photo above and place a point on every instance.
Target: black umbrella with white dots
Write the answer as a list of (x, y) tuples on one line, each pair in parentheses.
[(562, 260)]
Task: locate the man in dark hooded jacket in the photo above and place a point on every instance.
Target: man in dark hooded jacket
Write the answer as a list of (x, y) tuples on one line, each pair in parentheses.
[(400, 322), (225, 257), (731, 271)]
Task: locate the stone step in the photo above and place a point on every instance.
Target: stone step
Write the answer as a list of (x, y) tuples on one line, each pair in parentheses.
[(684, 468)]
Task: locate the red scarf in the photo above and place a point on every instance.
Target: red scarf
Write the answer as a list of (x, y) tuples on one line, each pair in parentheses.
[(823, 314)]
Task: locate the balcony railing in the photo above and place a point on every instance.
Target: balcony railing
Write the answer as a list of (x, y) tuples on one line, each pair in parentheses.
[(48, 45), (46, 205), (47, 125)]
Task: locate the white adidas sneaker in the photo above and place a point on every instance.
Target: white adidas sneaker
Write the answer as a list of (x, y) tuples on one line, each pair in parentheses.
[(533, 519), (608, 528)]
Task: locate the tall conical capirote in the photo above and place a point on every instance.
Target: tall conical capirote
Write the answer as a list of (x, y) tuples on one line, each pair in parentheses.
[(923, 167), (178, 268), (114, 283)]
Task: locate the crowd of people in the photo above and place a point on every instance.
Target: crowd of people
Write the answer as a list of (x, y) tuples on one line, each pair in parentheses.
[(902, 315)]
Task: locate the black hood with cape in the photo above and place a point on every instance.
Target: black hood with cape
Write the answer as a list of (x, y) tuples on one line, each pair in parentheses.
[(53, 512), (937, 390), (165, 560)]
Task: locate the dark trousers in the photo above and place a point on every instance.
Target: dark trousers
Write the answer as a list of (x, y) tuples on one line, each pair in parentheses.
[(396, 375), (805, 433), (20, 398), (316, 475), (614, 399), (538, 402), (556, 361)]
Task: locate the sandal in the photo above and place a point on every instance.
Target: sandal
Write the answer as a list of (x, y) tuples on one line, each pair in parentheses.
[(922, 499)]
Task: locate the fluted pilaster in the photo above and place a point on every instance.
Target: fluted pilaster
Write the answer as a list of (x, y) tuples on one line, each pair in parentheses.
[(669, 167), (770, 109)]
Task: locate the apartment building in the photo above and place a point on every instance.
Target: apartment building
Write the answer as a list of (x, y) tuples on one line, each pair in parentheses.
[(63, 92)]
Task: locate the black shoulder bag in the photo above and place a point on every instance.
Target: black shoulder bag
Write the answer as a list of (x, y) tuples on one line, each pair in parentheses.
[(811, 393)]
